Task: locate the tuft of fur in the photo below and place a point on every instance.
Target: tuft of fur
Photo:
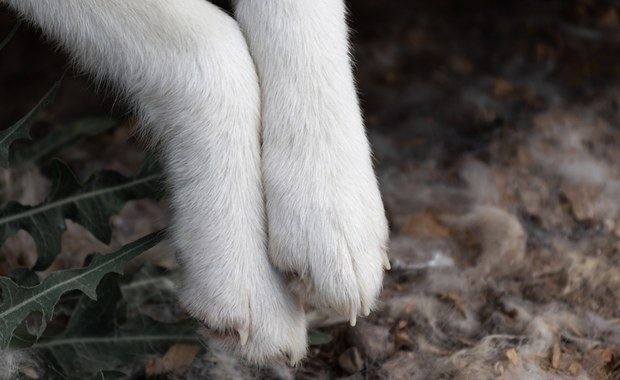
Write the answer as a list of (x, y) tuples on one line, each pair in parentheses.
[(499, 235), (11, 362)]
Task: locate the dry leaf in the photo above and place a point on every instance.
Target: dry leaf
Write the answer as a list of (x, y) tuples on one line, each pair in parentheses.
[(502, 87), (177, 360), (404, 340), (555, 355), (424, 225), (603, 355), (574, 368), (512, 356), (582, 199)]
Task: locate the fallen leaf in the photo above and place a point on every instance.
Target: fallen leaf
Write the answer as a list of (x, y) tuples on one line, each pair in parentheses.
[(582, 199), (502, 88), (424, 225), (177, 360), (573, 368), (603, 355), (512, 356), (555, 355)]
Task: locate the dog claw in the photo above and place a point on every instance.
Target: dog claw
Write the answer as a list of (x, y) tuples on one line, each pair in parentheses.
[(386, 262), (243, 336), (365, 310), (353, 320), (291, 360)]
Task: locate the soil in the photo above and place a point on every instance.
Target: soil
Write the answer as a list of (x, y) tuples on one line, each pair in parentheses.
[(496, 133)]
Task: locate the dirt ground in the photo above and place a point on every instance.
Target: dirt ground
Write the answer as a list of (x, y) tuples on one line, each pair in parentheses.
[(496, 132)]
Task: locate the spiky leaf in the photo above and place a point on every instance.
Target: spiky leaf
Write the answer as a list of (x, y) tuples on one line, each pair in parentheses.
[(96, 317), (95, 339), (65, 136), (90, 205), (9, 36), (21, 129), (18, 302)]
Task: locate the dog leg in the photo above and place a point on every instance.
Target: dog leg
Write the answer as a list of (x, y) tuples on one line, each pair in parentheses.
[(185, 66), (325, 216)]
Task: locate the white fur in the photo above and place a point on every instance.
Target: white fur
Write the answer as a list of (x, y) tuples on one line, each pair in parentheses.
[(325, 215), (186, 68)]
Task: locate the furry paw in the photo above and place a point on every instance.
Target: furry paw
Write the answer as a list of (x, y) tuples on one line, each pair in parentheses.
[(260, 321), (327, 226), (326, 222)]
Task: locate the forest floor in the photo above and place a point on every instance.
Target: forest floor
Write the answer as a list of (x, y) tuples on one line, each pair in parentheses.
[(496, 133)]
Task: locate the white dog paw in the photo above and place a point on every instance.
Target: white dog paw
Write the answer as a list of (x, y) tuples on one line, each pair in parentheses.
[(324, 212), (261, 321), (327, 226)]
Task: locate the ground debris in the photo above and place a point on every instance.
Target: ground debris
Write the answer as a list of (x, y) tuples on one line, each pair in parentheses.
[(374, 342), (351, 360), (495, 128), (176, 361)]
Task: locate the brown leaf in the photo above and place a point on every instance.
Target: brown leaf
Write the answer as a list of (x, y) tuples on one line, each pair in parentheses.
[(574, 368), (403, 340), (555, 355), (424, 225), (502, 88), (582, 199), (177, 360), (602, 355), (512, 356)]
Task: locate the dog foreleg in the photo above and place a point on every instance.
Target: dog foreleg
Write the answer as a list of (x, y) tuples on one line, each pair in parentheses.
[(325, 216), (185, 67)]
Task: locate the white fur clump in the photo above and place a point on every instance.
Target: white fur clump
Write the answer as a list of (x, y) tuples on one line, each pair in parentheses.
[(498, 233), (11, 362), (186, 68), (562, 146), (522, 357)]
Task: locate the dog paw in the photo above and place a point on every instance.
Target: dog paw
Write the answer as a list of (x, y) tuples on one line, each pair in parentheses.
[(246, 309), (327, 228)]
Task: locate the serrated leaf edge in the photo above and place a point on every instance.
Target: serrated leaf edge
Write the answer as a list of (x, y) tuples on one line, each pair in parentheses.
[(9, 36), (76, 198), (133, 249), (26, 120)]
